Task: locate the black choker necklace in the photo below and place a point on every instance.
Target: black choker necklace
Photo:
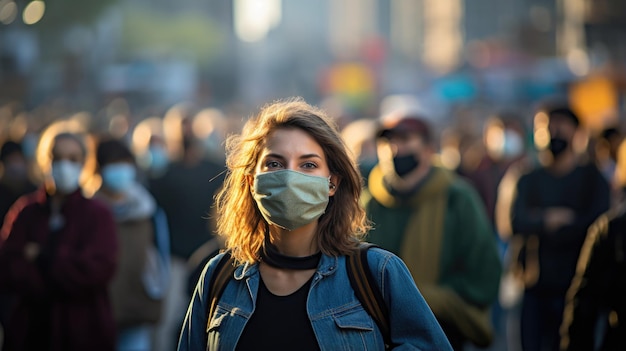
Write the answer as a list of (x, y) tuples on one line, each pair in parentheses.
[(271, 256)]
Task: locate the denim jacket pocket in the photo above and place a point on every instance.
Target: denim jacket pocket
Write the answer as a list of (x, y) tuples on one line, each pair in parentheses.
[(354, 319), (357, 331)]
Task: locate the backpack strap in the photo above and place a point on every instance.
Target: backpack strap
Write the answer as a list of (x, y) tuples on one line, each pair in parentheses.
[(221, 276), (367, 290)]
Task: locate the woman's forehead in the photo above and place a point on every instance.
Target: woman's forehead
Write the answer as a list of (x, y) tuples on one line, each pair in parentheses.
[(291, 140)]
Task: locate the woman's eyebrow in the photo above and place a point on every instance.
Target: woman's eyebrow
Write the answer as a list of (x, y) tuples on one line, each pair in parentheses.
[(310, 156), (302, 157), (274, 155)]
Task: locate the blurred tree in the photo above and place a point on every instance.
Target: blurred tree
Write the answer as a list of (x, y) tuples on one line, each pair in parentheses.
[(192, 35), (62, 14)]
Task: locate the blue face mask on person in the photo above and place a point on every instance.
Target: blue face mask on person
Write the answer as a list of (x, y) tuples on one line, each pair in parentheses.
[(29, 146), (118, 177), (159, 159), (66, 175)]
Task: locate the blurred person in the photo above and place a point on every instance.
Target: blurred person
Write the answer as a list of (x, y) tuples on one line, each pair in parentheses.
[(58, 258), (436, 223), (360, 138), (150, 148), (185, 193), (14, 183), (138, 288), (157, 157), (471, 150), (290, 214), (29, 145), (15, 180), (605, 153), (504, 142), (553, 206), (596, 295), (198, 260), (210, 126)]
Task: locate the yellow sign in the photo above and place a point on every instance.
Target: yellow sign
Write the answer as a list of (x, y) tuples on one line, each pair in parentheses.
[(595, 100), (351, 78)]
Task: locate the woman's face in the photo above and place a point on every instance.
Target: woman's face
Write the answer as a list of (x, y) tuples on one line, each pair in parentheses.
[(295, 150)]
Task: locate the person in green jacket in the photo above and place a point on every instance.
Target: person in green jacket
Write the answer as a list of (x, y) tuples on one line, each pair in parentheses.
[(437, 224)]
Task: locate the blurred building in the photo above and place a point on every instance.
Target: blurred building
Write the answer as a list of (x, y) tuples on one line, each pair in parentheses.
[(217, 52), (604, 28)]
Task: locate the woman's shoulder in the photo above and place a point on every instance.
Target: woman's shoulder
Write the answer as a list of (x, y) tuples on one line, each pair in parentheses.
[(379, 257), (214, 263), (383, 263), (217, 259), (376, 251)]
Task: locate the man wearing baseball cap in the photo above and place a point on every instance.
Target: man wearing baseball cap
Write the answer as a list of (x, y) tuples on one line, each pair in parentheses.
[(437, 224)]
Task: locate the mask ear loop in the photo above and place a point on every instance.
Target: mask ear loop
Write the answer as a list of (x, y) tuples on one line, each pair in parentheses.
[(331, 184)]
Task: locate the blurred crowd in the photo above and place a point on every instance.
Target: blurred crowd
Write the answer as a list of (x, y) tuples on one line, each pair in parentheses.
[(108, 221), (156, 179)]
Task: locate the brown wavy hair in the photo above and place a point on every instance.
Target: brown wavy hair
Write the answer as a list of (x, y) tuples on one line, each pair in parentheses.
[(239, 220)]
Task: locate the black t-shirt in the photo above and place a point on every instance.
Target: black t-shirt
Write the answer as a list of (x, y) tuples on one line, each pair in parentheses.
[(279, 323)]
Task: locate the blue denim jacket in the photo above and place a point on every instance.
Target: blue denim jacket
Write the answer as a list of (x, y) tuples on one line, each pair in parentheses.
[(338, 319)]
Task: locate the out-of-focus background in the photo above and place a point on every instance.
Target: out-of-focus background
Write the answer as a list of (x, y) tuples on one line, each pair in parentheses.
[(348, 54)]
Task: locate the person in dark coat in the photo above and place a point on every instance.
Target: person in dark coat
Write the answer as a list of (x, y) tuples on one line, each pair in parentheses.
[(554, 205), (14, 181), (58, 256), (596, 296)]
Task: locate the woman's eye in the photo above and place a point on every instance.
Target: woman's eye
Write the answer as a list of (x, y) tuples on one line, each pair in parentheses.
[(309, 165), (272, 164)]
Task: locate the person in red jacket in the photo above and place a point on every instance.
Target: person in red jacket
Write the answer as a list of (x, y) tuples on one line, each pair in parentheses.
[(57, 258)]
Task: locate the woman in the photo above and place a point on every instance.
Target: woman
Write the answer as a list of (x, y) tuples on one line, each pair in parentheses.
[(58, 257), (135, 295), (289, 212)]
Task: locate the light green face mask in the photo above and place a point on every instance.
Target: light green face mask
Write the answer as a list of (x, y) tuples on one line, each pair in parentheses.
[(290, 199)]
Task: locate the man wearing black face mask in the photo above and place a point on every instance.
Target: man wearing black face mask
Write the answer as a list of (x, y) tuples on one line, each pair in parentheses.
[(437, 224), (554, 205)]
